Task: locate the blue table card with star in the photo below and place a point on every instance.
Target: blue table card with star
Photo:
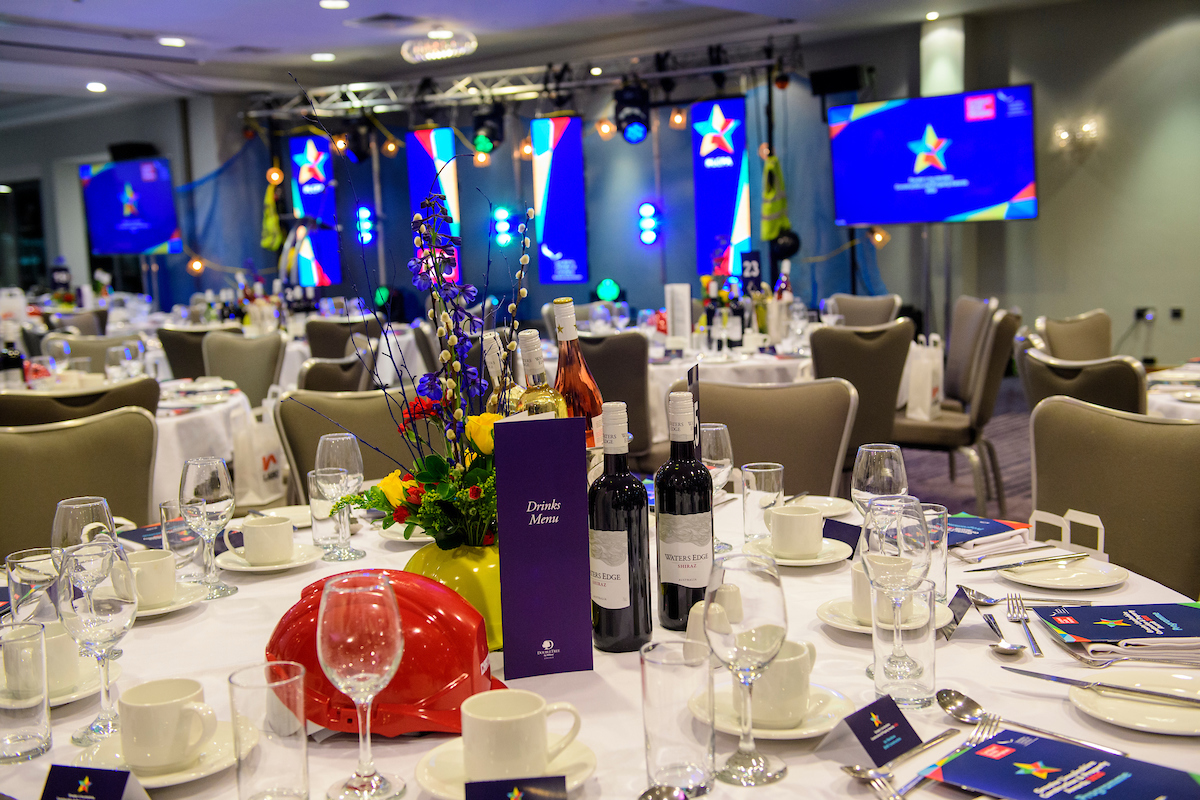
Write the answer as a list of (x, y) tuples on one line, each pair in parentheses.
[(549, 788), (87, 783), (876, 733)]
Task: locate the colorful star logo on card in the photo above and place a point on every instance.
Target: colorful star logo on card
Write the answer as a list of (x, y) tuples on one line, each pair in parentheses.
[(311, 163), (515, 794), (875, 720), (84, 785), (715, 131), (1037, 769), (930, 150), (1113, 623), (129, 200)]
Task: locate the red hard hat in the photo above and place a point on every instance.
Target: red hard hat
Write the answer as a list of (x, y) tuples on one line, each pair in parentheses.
[(445, 660)]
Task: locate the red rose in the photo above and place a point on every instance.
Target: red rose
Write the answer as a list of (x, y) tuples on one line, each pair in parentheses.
[(474, 493), (400, 514), (489, 539)]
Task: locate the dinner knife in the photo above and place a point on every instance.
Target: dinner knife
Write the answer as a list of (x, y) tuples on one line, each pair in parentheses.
[(1110, 687), (1028, 561)]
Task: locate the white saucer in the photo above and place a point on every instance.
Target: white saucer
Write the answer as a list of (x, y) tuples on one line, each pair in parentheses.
[(194, 400), (1143, 714), (302, 555), (832, 551), (828, 506), (217, 755), (1188, 397), (396, 534), (299, 515), (441, 773), (833, 706), (1084, 573), (186, 594), (839, 613), (86, 687)]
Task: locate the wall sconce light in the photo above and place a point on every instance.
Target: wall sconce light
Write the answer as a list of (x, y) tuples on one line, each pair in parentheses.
[(391, 147), (275, 175), (678, 119), (527, 149), (1083, 132)]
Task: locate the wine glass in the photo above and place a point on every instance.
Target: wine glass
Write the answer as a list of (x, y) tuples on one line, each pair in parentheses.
[(135, 364), (78, 520), (116, 361), (716, 453), (878, 470), (341, 451), (96, 602), (745, 619), (621, 315), (207, 479), (59, 351), (359, 645)]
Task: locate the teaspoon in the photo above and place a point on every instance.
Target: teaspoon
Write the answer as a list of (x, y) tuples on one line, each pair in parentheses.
[(964, 709), (1004, 646)]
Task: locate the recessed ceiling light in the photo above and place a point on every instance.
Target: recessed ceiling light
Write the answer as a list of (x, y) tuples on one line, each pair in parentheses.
[(96, 86), (322, 56), (932, 15), (597, 71), (440, 33), (171, 41), (335, 5), (5, 188)]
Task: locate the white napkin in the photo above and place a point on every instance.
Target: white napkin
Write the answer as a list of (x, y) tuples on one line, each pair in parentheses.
[(1185, 648), (1004, 540)]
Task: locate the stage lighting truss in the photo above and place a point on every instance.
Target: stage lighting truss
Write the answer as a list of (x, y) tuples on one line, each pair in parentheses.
[(489, 128), (633, 112)]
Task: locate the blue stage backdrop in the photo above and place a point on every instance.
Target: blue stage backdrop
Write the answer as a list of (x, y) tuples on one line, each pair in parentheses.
[(721, 177), (318, 259), (130, 207), (558, 199), (432, 168), (955, 158)]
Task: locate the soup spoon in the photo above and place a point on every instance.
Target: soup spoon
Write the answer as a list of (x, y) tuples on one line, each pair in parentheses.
[(964, 709)]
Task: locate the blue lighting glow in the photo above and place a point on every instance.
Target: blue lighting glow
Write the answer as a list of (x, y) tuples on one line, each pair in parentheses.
[(500, 214), (647, 210), (635, 132), (649, 237), (502, 227), (364, 225), (503, 239), (647, 223)]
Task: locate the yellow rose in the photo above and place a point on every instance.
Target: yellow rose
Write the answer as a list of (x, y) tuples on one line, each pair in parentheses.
[(393, 488), (480, 433)]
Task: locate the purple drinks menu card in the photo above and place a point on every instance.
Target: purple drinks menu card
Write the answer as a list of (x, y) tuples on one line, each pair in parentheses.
[(545, 565)]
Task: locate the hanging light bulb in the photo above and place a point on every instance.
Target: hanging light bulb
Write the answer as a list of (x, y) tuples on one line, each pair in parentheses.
[(678, 119), (340, 143), (195, 266), (527, 149), (605, 128), (482, 159), (274, 175), (391, 147)]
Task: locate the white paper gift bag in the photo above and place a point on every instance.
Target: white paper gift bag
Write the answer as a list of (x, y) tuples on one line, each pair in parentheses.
[(925, 380), (257, 462)]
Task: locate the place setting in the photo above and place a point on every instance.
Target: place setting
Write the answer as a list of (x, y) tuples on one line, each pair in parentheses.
[(796, 538)]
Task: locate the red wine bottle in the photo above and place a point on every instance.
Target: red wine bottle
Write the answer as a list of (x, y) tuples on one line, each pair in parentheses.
[(683, 517), (574, 380), (619, 534)]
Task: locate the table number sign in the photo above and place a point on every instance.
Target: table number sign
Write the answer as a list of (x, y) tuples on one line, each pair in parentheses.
[(86, 783), (545, 561), (876, 733), (679, 317), (550, 788)]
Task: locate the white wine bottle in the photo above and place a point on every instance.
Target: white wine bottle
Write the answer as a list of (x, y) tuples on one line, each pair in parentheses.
[(505, 394), (539, 397)]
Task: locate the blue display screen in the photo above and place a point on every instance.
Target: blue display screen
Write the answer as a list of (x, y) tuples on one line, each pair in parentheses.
[(558, 199), (955, 158), (130, 207)]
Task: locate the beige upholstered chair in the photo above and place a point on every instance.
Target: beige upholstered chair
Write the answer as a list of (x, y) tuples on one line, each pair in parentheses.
[(860, 311), (332, 374), (621, 366), (967, 331), (87, 323), (426, 338), (873, 360), (955, 431), (39, 408), (804, 426), (1117, 382), (184, 348), (93, 347), (1137, 473), (252, 362), (110, 455), (548, 321), (360, 346), (326, 338), (1083, 337)]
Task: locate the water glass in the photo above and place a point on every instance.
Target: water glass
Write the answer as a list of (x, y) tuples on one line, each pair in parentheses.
[(910, 679), (135, 365), (621, 315), (680, 744), (177, 536), (270, 738), (762, 488), (31, 577), (341, 451), (79, 364), (24, 698), (878, 470), (59, 352), (937, 520), (324, 490), (207, 480), (115, 359)]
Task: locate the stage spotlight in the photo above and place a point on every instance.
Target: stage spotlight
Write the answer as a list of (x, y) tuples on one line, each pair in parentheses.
[(500, 219), (275, 175), (364, 225), (633, 112), (482, 159), (504, 239), (605, 129), (608, 290), (678, 119), (648, 223), (489, 128), (195, 266), (391, 147), (879, 237)]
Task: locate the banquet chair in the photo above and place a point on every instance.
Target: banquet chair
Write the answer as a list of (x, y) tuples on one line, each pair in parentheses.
[(548, 321), (1137, 473), (59, 405), (93, 347), (361, 348), (32, 337), (1117, 382), (332, 374), (327, 339), (872, 359), (962, 432), (859, 311), (42, 464), (87, 323), (804, 426), (621, 366), (184, 348), (425, 336), (968, 328), (252, 362), (1083, 337)]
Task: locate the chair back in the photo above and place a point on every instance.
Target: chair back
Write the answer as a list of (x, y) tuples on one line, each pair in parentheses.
[(859, 311), (361, 348), (252, 362), (39, 408), (88, 323), (804, 426), (332, 374), (993, 363), (32, 339), (1137, 473), (93, 347), (1084, 337), (327, 339), (872, 359), (42, 464), (184, 348), (1115, 382), (967, 330), (548, 321), (621, 366), (426, 337)]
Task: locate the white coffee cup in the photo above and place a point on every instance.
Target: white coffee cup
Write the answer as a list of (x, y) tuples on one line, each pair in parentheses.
[(265, 540), (62, 659), (504, 734), (154, 577), (164, 724), (781, 695), (796, 531), (24, 665), (860, 587)]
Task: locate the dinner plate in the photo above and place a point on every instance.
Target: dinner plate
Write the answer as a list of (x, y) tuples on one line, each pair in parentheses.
[(87, 686), (441, 773), (303, 554), (828, 506), (186, 594), (1084, 573), (217, 755), (396, 534), (1188, 397), (839, 613), (1143, 714), (198, 385), (832, 551), (826, 709), (193, 401), (299, 515)]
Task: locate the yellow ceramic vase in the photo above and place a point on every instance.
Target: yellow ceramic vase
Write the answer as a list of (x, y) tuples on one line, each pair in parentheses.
[(473, 572)]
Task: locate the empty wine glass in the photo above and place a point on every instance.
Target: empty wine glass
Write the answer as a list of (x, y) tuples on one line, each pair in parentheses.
[(59, 351), (341, 451), (359, 645), (78, 520), (135, 364), (96, 602), (621, 315), (745, 620), (115, 362), (207, 479), (716, 453), (878, 470)]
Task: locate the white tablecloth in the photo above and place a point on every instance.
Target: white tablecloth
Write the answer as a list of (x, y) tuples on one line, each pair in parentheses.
[(1166, 404), (397, 353), (209, 641), (207, 431)]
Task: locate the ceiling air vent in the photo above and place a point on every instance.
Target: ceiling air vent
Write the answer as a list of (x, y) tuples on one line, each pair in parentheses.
[(385, 21)]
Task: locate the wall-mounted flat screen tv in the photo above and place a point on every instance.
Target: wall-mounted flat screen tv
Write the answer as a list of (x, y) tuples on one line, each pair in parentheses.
[(130, 207)]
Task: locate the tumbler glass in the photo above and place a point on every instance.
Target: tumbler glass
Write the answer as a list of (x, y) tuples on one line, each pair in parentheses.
[(937, 519), (677, 714), (31, 576), (269, 733), (177, 536), (762, 488), (24, 700), (908, 679), (324, 490)]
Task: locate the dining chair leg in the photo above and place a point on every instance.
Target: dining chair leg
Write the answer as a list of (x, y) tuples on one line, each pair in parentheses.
[(987, 474), (972, 456), (995, 462), (953, 467)]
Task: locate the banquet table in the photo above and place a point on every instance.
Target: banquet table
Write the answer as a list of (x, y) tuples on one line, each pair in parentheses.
[(207, 642), (204, 431)]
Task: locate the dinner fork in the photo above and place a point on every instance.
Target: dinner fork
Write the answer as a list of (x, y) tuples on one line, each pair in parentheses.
[(1018, 613), (987, 727)]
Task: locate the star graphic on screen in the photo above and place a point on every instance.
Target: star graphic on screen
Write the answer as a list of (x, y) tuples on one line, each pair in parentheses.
[(1112, 623), (84, 785), (1037, 769), (930, 150), (129, 200), (311, 163), (515, 794), (875, 720), (715, 131)]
